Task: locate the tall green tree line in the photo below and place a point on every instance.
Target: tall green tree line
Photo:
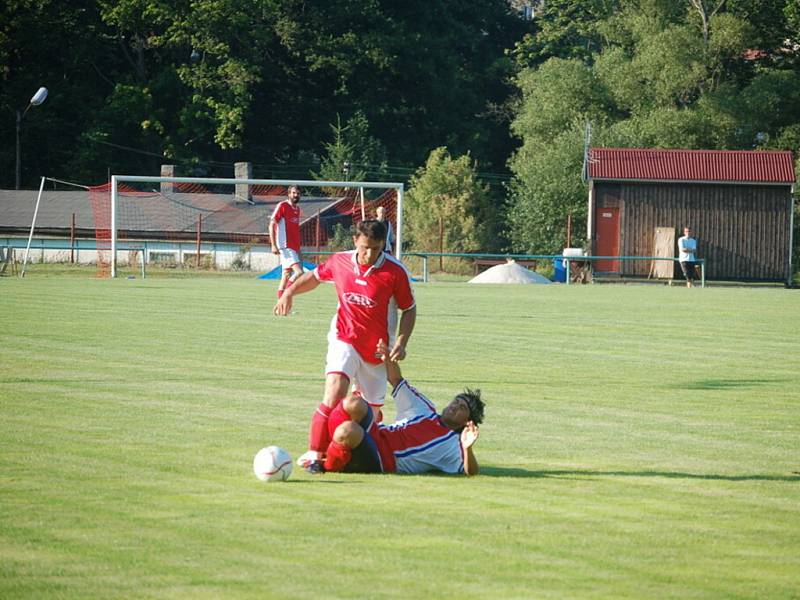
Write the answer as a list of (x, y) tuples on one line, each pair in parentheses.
[(719, 74), (210, 82)]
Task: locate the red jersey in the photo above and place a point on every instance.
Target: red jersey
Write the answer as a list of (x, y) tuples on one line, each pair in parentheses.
[(287, 217), (364, 294)]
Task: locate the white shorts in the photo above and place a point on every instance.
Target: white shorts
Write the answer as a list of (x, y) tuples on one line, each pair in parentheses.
[(370, 378), (289, 257)]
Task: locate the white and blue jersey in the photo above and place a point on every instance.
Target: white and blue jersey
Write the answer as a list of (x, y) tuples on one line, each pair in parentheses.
[(418, 441)]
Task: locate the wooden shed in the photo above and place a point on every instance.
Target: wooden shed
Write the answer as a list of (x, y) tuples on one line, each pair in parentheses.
[(738, 203)]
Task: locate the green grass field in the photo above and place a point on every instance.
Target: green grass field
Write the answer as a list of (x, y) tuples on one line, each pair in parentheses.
[(640, 442)]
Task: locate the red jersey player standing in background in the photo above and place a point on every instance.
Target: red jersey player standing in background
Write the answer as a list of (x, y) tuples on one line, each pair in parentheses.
[(366, 281), (284, 233)]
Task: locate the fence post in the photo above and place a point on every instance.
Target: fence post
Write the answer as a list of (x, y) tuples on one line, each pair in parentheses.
[(318, 230), (199, 229), (72, 240)]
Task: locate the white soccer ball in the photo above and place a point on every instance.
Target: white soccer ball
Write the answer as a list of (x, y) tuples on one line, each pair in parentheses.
[(272, 464)]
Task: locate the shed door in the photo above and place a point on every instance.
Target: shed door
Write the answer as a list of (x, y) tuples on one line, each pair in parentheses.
[(607, 239)]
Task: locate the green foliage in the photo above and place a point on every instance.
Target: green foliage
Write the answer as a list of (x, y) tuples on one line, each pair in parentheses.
[(353, 146), (230, 80), (341, 238), (546, 188), (446, 201), (565, 29), (662, 74)]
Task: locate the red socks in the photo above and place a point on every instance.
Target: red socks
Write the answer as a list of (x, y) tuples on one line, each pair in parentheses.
[(337, 457), (318, 437)]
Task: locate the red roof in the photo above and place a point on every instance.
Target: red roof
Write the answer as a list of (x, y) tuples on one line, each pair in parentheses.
[(743, 166)]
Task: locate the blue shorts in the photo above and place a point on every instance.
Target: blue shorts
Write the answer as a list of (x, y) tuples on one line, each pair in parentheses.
[(365, 457)]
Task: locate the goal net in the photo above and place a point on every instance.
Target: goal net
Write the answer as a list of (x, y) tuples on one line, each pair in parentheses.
[(212, 223)]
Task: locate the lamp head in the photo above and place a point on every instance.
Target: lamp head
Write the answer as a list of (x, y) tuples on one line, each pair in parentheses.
[(39, 97)]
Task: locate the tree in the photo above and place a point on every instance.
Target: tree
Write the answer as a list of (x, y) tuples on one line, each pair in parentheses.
[(447, 204), (354, 147), (666, 74)]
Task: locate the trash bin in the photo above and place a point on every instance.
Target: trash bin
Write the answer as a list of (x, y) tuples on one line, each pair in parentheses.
[(559, 270)]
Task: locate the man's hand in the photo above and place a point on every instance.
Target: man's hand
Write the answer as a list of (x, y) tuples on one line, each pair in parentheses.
[(284, 305), (398, 351), (381, 350), (393, 373), (469, 435), (275, 250)]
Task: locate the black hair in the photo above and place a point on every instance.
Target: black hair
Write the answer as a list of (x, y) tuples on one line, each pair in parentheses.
[(476, 405), (371, 228)]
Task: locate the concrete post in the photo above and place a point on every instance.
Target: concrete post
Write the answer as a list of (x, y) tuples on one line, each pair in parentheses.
[(243, 170), (167, 171)]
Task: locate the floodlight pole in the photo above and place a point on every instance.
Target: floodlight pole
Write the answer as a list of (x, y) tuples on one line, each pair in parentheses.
[(18, 170), (39, 97)]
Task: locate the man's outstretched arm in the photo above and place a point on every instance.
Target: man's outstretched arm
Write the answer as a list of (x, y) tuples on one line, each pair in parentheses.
[(407, 321), (305, 283)]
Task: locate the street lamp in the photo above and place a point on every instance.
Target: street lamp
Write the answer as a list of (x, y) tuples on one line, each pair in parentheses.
[(39, 97)]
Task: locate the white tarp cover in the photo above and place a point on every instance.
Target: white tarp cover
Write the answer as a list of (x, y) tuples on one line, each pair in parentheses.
[(510, 272)]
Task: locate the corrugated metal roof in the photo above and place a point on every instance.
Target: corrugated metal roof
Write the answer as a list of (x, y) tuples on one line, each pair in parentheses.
[(150, 211), (735, 166)]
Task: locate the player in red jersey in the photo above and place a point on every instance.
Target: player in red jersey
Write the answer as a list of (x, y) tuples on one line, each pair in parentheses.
[(421, 440), (284, 233), (366, 280)]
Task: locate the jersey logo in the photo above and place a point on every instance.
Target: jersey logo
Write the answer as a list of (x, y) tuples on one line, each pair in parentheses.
[(361, 282), (359, 299)]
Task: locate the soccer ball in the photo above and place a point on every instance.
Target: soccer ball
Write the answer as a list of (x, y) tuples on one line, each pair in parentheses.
[(272, 464)]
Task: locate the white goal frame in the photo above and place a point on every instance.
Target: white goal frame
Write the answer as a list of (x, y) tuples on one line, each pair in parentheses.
[(117, 179)]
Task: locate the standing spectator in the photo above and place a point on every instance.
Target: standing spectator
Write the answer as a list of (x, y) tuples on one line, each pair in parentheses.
[(380, 214), (284, 233), (687, 246)]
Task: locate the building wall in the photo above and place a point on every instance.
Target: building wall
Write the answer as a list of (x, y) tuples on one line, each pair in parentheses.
[(743, 231), (218, 255)]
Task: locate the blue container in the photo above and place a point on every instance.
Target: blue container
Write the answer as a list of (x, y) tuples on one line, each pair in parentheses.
[(559, 270)]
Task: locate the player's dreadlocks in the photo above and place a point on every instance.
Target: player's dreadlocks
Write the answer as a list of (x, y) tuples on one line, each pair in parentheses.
[(476, 405)]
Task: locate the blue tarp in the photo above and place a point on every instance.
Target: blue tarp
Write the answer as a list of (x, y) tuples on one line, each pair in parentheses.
[(276, 272)]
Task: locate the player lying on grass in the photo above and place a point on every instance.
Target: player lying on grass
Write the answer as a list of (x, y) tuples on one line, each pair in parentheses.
[(421, 440)]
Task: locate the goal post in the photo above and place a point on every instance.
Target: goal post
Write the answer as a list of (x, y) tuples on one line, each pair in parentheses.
[(350, 190)]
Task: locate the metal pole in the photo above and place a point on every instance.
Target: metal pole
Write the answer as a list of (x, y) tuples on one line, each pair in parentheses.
[(569, 230), (441, 243), (703, 272), (72, 240), (425, 269), (33, 224), (363, 214), (789, 281), (317, 232), (113, 227), (399, 233), (18, 170), (568, 263), (199, 229)]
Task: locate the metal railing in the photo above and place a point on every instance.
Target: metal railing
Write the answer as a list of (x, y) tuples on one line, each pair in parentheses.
[(549, 257)]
